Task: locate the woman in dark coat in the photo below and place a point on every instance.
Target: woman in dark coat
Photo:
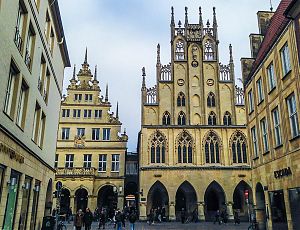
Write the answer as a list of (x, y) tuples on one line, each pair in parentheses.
[(78, 220), (88, 219)]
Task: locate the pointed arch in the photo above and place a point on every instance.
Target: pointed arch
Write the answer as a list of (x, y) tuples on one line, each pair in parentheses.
[(239, 199), (212, 148), (185, 145), (158, 148), (181, 99), (186, 198), (166, 119), (181, 118), (195, 81), (196, 100), (238, 144), (227, 119), (157, 197), (197, 119), (211, 99), (212, 118)]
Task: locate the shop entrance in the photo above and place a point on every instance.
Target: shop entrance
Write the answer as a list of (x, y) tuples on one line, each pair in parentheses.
[(240, 204), (279, 221), (81, 199), (107, 199), (294, 196), (260, 206)]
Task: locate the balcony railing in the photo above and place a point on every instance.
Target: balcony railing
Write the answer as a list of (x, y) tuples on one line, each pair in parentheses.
[(75, 171)]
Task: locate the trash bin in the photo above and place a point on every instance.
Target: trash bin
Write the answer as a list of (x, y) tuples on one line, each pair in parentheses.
[(48, 223)]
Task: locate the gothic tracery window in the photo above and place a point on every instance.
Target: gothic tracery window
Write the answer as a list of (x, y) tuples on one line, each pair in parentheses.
[(185, 148), (166, 120), (209, 53), (211, 100), (227, 118), (181, 99), (239, 149), (179, 51), (212, 148), (181, 118), (158, 148), (212, 119)]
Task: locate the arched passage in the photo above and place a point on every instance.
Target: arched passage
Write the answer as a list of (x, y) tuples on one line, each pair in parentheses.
[(214, 199), (186, 199), (158, 197), (64, 200), (48, 201), (260, 206), (240, 204), (107, 199), (81, 199)]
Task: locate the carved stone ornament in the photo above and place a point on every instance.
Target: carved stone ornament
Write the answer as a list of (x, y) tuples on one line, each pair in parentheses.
[(79, 141), (180, 82), (195, 64), (210, 82)]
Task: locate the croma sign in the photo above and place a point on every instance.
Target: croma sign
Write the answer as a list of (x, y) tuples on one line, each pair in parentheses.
[(283, 172)]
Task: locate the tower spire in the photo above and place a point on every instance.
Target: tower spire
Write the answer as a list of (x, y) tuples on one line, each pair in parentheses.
[(172, 16), (74, 72), (200, 17), (117, 110), (85, 57), (214, 17), (144, 81), (230, 54), (186, 21), (95, 75), (106, 93), (158, 54)]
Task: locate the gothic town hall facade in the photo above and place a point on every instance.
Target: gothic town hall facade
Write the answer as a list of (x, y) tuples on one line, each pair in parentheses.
[(192, 141)]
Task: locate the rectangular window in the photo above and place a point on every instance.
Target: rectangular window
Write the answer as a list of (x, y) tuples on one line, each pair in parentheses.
[(285, 59), (66, 113), (98, 113), (36, 193), (29, 46), (102, 163), (260, 93), (250, 101), (47, 26), (25, 202), (271, 76), (42, 74), (56, 161), (87, 160), (87, 113), (18, 39), (11, 91), (65, 133), (76, 113), (22, 105), (115, 162), (106, 134), (264, 132), (51, 41), (36, 123), (69, 161), (254, 141), (46, 84), (77, 97), (80, 132), (292, 109), (88, 97), (42, 130), (276, 124), (95, 134)]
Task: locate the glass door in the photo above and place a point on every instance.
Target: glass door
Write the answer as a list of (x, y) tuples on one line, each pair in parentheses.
[(25, 203)]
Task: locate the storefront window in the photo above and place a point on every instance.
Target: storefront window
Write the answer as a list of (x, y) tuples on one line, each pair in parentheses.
[(25, 203), (11, 203), (294, 196), (278, 210), (2, 170), (36, 193)]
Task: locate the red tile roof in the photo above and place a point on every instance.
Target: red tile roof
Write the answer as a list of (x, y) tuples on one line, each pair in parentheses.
[(277, 24)]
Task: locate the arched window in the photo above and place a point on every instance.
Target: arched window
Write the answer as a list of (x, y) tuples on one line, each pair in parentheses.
[(158, 148), (181, 118), (185, 148), (209, 53), (211, 100), (212, 148), (212, 119), (181, 99), (238, 148), (166, 120), (179, 51), (227, 118)]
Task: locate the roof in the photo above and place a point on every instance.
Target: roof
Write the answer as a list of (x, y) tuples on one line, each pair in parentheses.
[(277, 25)]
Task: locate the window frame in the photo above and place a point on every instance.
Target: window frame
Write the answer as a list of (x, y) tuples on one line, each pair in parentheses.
[(293, 116), (102, 162), (115, 163)]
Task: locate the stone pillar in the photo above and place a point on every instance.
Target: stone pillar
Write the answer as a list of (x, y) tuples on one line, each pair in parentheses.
[(143, 211), (201, 214), (72, 204), (120, 202), (230, 210), (288, 208), (172, 215), (92, 202)]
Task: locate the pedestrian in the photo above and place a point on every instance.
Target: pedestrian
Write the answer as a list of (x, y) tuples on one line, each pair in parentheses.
[(151, 217), (217, 217), (132, 220), (102, 219), (88, 219), (225, 216), (182, 215), (236, 217), (54, 212), (123, 216), (163, 213), (69, 214), (78, 220), (119, 220), (195, 215), (159, 214)]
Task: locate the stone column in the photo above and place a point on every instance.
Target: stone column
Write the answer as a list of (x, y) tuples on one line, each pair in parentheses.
[(72, 203), (288, 208), (120, 201), (143, 210), (92, 202), (201, 214), (230, 210), (172, 215)]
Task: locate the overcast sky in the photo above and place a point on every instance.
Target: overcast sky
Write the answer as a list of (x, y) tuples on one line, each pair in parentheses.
[(121, 36)]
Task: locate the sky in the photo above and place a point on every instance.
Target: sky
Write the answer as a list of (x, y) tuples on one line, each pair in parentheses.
[(122, 35)]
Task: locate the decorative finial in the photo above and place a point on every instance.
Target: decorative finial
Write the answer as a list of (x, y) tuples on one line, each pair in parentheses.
[(95, 75), (117, 110), (271, 6), (230, 53), (172, 16), (74, 72), (179, 24), (200, 17), (215, 17), (124, 130), (85, 57), (158, 53), (208, 24), (144, 75), (106, 93), (186, 22)]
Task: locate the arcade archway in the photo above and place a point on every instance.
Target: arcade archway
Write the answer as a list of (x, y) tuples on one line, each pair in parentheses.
[(64, 201), (260, 206), (186, 199), (214, 199), (81, 199), (107, 199), (158, 197), (240, 204)]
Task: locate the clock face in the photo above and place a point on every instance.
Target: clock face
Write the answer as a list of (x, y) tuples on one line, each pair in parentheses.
[(195, 64), (180, 82), (210, 82)]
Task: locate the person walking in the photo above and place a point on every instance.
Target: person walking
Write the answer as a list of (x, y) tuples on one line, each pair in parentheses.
[(182, 215), (88, 219), (78, 220), (119, 220), (69, 214), (236, 217), (102, 219), (217, 217), (132, 220)]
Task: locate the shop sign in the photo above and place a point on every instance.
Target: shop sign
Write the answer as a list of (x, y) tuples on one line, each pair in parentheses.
[(12, 153), (283, 172)]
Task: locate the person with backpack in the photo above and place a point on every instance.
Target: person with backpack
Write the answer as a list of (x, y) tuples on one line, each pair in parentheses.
[(132, 220)]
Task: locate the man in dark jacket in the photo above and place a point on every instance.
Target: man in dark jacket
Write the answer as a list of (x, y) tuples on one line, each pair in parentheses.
[(119, 220), (182, 215), (132, 220), (102, 219), (88, 219)]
